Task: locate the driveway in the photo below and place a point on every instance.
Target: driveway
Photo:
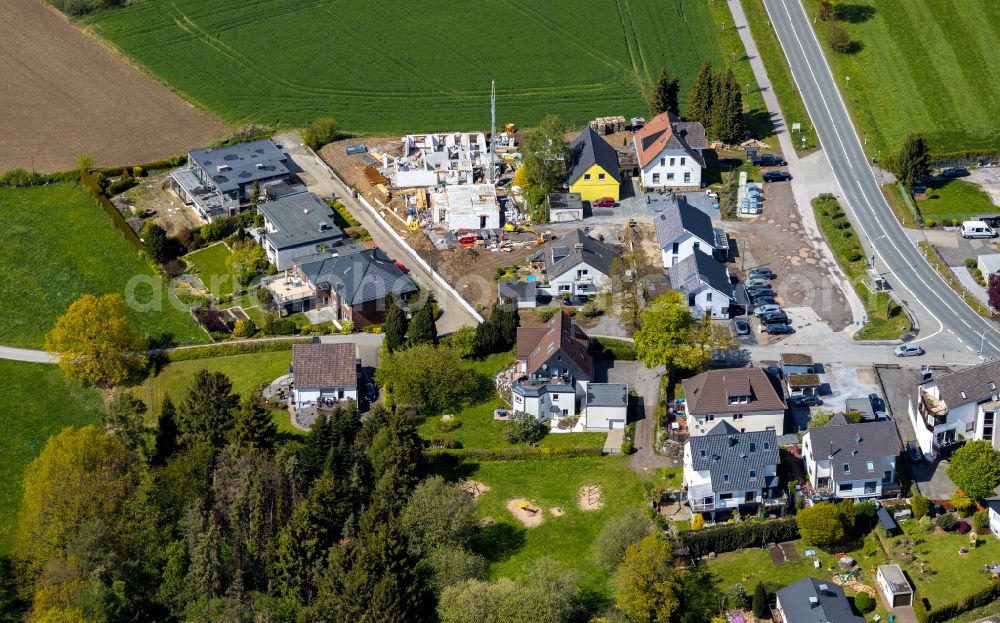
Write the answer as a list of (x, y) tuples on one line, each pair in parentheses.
[(646, 384)]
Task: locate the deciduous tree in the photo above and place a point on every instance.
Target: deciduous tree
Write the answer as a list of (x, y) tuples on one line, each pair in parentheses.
[(617, 535), (154, 238), (667, 336), (320, 132), (648, 586), (623, 293), (96, 342), (524, 428), (912, 161), (975, 469), (438, 514), (993, 291), (544, 149), (247, 260), (428, 378), (821, 524)]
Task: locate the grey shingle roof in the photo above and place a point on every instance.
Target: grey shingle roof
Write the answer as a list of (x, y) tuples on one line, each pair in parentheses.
[(972, 381), (831, 604), (361, 277), (607, 395), (522, 291), (729, 455), (565, 255), (589, 149), (300, 219), (855, 444), (697, 269), (678, 217), (325, 365), (258, 160)]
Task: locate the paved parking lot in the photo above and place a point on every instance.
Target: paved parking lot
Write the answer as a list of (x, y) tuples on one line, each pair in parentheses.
[(955, 249)]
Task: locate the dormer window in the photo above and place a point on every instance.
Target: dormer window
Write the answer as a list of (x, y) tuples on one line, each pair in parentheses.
[(753, 446), (847, 468), (738, 400)]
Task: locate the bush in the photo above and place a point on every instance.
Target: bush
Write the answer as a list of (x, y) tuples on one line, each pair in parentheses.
[(446, 425), (864, 603), (544, 314), (971, 262), (731, 537), (320, 132), (697, 521), (244, 328), (444, 442), (929, 222), (854, 255), (616, 350), (838, 39), (524, 428), (947, 522), (273, 325), (737, 595), (963, 504), (20, 178), (980, 520), (591, 310), (951, 610), (964, 527), (920, 506)]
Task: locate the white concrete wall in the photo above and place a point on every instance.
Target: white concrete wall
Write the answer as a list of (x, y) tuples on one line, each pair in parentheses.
[(686, 245), (661, 167), (605, 418), (699, 425), (719, 303), (994, 520)]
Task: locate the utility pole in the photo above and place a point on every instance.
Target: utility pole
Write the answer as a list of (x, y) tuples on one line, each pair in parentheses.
[(493, 128)]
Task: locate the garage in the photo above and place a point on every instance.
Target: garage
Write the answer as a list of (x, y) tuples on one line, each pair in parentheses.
[(894, 586), (607, 406)]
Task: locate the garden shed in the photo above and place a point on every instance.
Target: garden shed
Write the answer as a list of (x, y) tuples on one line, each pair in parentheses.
[(894, 586), (886, 521)]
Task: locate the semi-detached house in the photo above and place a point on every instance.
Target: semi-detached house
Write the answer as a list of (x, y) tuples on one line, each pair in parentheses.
[(852, 460), (670, 152), (575, 265), (705, 285), (296, 227), (682, 229)]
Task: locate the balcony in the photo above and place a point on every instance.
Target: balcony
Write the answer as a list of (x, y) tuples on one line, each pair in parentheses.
[(290, 289)]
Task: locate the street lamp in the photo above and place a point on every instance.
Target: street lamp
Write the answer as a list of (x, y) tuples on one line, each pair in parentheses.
[(982, 341)]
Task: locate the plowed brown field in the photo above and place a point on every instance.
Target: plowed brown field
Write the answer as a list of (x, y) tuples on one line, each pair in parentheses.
[(63, 94)]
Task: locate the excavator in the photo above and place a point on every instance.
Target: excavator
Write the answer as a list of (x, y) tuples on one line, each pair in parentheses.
[(518, 228)]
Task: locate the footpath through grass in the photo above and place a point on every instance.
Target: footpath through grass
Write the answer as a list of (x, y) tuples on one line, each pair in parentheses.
[(886, 319), (56, 245), (37, 403)]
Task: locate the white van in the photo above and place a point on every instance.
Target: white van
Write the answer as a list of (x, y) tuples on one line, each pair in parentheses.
[(977, 229)]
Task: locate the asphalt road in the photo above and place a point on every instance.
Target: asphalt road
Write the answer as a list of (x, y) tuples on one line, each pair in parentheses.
[(943, 315), (24, 354)]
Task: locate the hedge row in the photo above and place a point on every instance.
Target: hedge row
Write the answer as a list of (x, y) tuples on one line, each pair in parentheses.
[(116, 216), (22, 178), (618, 350), (731, 537), (951, 610), (225, 350), (511, 454), (155, 165)]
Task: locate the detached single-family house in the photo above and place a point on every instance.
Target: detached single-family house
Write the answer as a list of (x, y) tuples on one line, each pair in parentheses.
[(354, 286), (670, 152), (956, 407), (606, 406), (324, 374), (575, 264), (993, 508), (217, 182), (849, 460), (894, 586), (297, 226), (726, 469), (705, 283), (815, 601), (742, 397), (469, 206), (592, 167), (682, 229)]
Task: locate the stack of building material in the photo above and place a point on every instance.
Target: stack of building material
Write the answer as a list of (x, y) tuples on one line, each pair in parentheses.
[(608, 125)]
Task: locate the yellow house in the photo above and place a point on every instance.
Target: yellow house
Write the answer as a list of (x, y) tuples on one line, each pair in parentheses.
[(593, 167)]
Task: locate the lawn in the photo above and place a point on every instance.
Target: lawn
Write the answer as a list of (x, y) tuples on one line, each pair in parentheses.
[(850, 256), (954, 199), (926, 66), (547, 485), (376, 67), (56, 245), (37, 403), (210, 265)]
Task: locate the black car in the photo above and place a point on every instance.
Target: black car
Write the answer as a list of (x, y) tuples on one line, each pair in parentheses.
[(804, 401), (877, 403), (768, 160), (777, 176), (953, 172), (778, 329), (575, 301), (742, 327), (759, 292), (762, 272), (371, 392), (757, 301), (774, 317)]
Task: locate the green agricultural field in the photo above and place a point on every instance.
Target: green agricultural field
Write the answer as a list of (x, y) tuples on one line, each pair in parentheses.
[(930, 66), (56, 245), (381, 67), (37, 403), (210, 264)]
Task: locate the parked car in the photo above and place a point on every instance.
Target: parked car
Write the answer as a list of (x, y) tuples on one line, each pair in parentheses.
[(604, 202), (778, 329), (977, 229), (909, 350), (761, 272), (575, 301), (766, 308), (371, 392), (742, 327), (953, 172), (777, 176), (768, 160), (877, 403), (761, 291), (757, 301), (774, 317), (914, 451), (757, 282), (804, 401), (402, 267)]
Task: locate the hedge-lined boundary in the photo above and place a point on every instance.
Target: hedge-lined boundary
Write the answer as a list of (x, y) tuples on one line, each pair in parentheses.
[(227, 350), (155, 165), (951, 610), (728, 538), (511, 454), (116, 216)]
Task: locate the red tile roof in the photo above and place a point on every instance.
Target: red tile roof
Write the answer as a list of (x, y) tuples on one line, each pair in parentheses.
[(667, 131), (538, 344)]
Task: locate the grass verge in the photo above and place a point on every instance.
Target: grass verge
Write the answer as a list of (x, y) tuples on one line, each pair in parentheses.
[(897, 202), (942, 268)]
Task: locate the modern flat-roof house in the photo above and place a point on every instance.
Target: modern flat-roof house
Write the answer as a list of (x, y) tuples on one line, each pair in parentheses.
[(705, 283), (354, 286), (682, 229), (469, 206), (217, 182), (801, 374), (959, 406), (297, 226), (725, 469), (894, 586), (993, 509), (592, 167), (815, 601), (670, 152), (743, 397), (564, 207), (852, 461), (575, 264), (324, 374)]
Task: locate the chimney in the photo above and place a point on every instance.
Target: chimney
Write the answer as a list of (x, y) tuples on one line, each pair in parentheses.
[(823, 589), (813, 602)]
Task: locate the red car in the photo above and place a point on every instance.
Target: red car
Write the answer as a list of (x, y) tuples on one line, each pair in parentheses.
[(402, 267), (604, 202)]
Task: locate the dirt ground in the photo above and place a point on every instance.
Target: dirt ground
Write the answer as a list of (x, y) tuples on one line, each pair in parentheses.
[(170, 212), (528, 518), (777, 239), (65, 94), (473, 488), (591, 498)]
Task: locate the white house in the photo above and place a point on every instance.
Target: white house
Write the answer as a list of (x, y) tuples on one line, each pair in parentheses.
[(815, 601), (705, 283), (669, 152), (960, 406), (606, 406), (682, 229), (297, 226), (324, 373), (726, 469), (469, 206), (849, 460), (743, 397), (575, 265), (993, 507)]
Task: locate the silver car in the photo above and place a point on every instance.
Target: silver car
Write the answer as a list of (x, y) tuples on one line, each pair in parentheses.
[(909, 350), (766, 309)]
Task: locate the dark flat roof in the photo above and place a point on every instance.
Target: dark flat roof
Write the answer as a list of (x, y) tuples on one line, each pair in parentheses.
[(241, 164)]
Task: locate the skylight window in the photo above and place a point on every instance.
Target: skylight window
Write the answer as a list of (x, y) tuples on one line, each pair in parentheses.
[(847, 468), (871, 466)]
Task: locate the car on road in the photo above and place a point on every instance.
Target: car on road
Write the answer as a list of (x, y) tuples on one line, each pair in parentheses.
[(804, 401), (914, 451), (766, 308), (778, 329), (953, 172), (742, 327), (761, 272), (908, 350), (604, 202), (774, 317), (768, 160), (777, 176), (757, 301), (757, 282)]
